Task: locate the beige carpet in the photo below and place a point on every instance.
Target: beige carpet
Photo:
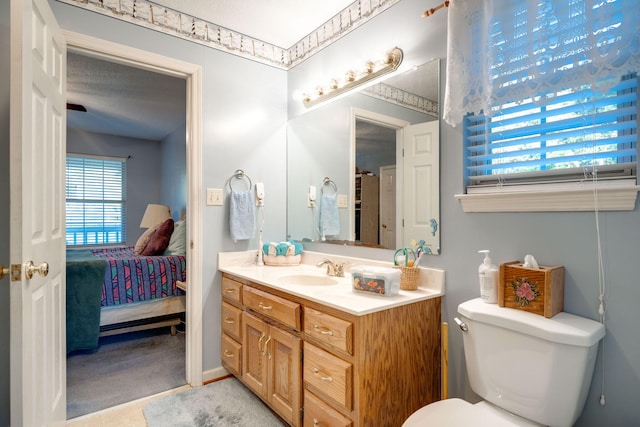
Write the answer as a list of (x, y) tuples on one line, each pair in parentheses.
[(124, 368)]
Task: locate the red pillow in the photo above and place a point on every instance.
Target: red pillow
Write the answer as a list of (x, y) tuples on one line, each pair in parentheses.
[(160, 239)]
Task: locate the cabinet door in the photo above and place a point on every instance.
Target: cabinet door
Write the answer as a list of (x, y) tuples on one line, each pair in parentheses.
[(284, 354), (254, 369)]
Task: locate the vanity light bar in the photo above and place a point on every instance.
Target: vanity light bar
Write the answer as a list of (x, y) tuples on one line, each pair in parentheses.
[(352, 79)]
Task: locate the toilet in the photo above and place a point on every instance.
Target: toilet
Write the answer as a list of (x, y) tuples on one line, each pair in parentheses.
[(530, 370)]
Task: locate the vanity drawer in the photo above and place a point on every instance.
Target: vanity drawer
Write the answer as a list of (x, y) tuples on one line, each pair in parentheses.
[(280, 309), (329, 375), (231, 321), (328, 329), (231, 290), (231, 355), (319, 414)]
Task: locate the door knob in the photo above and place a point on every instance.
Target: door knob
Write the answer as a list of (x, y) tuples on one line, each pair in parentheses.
[(3, 271), (30, 269)]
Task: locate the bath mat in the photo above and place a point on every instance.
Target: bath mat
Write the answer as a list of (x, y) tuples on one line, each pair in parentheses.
[(222, 403)]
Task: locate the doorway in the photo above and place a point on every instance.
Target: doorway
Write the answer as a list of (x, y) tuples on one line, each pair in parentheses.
[(191, 74), (376, 142)]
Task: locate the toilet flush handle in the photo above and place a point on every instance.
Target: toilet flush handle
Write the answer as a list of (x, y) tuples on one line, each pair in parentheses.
[(463, 326)]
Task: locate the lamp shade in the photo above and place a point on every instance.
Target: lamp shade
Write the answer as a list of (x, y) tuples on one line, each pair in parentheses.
[(154, 215)]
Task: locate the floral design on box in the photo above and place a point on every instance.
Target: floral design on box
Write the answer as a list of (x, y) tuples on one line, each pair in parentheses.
[(525, 291), (367, 284)]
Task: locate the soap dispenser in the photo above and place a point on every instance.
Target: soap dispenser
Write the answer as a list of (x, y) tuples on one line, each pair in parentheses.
[(488, 274)]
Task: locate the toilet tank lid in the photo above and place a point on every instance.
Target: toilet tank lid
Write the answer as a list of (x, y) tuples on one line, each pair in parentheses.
[(562, 328)]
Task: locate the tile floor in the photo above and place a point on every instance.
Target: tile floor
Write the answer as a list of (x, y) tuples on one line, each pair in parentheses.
[(125, 415)]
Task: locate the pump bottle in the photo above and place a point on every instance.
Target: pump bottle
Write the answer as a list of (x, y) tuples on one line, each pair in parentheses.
[(488, 274)]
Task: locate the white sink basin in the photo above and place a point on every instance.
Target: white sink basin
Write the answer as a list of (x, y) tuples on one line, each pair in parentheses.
[(308, 279)]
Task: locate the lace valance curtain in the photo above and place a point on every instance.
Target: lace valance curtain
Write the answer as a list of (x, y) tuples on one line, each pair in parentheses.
[(502, 51)]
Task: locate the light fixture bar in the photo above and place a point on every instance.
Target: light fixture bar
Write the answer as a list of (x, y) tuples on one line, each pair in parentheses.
[(352, 79)]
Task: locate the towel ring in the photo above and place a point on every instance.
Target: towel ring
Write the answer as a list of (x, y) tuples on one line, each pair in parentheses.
[(239, 175), (328, 182)]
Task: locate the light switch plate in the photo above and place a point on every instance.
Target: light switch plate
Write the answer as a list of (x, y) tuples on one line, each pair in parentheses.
[(214, 197), (343, 202)]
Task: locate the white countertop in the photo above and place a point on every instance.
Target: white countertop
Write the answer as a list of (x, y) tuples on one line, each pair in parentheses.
[(339, 295)]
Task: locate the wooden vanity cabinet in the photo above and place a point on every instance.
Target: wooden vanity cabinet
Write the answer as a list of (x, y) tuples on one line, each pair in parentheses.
[(316, 365), (231, 321), (272, 366)]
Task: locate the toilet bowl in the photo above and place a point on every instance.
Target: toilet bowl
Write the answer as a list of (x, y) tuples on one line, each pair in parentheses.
[(460, 413), (530, 370)]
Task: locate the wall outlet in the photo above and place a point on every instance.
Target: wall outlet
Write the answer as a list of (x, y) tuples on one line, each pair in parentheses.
[(214, 197), (343, 201)]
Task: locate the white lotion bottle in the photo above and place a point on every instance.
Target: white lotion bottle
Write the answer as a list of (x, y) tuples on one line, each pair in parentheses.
[(488, 274)]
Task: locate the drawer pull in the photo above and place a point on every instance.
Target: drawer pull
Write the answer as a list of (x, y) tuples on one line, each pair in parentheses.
[(264, 307), (228, 354), (328, 378), (229, 320), (260, 343), (317, 423), (323, 330), (230, 291)]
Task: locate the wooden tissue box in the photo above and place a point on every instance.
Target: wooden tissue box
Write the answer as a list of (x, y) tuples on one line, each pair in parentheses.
[(536, 290)]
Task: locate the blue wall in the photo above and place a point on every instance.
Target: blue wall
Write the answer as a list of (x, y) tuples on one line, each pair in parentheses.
[(555, 238), (234, 87), (174, 172), (144, 171), (244, 118)]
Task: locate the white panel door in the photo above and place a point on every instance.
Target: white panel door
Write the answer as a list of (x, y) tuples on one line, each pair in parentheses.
[(37, 153), (421, 173), (388, 206)]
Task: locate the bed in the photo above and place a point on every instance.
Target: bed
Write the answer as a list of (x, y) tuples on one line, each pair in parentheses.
[(114, 290)]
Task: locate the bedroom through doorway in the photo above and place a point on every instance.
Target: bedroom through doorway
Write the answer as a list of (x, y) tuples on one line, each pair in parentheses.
[(141, 111)]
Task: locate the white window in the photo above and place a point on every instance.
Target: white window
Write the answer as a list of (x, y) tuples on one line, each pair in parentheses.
[(96, 200), (579, 133), (547, 95)]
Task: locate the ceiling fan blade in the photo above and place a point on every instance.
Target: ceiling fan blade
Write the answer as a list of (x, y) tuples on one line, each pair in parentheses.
[(76, 107)]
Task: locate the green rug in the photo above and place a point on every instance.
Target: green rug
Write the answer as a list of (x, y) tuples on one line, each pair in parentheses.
[(222, 403)]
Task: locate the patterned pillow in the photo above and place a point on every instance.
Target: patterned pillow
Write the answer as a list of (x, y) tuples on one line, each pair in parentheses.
[(144, 239), (160, 240)]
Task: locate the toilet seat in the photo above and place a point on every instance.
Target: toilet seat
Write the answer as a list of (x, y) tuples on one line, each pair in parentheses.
[(460, 413)]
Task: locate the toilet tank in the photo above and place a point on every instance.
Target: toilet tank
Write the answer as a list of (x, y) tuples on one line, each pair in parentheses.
[(535, 367)]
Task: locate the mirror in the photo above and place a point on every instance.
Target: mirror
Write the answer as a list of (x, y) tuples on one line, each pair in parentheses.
[(357, 142)]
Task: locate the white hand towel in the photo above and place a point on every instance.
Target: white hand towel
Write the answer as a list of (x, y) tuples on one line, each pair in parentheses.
[(242, 215)]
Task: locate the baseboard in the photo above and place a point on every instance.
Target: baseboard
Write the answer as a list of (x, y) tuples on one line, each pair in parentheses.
[(214, 374)]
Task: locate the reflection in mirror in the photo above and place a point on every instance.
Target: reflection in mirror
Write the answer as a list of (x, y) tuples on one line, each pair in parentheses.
[(359, 139)]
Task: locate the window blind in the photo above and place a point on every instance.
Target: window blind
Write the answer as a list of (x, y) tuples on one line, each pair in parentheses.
[(560, 140), (96, 208)]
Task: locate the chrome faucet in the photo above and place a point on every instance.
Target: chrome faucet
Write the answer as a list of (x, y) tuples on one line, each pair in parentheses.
[(333, 269)]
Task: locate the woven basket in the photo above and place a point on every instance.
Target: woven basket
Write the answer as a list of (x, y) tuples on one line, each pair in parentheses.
[(409, 278)]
